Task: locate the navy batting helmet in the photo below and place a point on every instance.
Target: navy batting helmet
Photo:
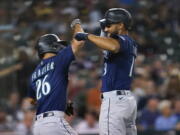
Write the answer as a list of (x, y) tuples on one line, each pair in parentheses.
[(117, 15), (49, 43)]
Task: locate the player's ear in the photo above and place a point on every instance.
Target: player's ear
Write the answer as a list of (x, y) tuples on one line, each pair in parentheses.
[(121, 26)]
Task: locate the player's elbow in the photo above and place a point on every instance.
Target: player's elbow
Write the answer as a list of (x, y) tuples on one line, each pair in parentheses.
[(114, 45), (115, 48)]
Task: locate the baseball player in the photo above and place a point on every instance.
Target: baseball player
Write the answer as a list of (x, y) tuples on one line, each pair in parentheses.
[(48, 84), (118, 108)]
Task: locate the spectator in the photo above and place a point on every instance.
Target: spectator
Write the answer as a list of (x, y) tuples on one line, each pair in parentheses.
[(13, 105), (149, 114), (177, 109), (25, 126), (156, 72), (24, 73), (138, 86), (4, 124), (177, 113), (173, 87), (26, 106), (89, 125), (167, 120)]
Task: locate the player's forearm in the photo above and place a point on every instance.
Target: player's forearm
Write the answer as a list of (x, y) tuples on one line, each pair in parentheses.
[(76, 46), (76, 27), (105, 43)]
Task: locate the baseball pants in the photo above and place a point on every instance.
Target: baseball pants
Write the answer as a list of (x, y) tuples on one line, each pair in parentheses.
[(118, 114), (52, 125)]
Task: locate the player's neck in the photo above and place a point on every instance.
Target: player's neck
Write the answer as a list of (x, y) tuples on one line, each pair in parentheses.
[(48, 55), (125, 32)]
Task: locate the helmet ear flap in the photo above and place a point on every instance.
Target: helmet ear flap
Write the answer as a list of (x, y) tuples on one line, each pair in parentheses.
[(61, 44), (58, 46)]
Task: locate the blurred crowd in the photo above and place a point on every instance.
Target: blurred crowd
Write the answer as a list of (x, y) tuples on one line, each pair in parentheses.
[(156, 84)]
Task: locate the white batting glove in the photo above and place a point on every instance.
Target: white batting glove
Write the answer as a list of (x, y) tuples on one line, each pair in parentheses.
[(74, 22)]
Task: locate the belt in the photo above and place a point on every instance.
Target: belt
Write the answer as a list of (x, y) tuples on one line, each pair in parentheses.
[(115, 93), (49, 114)]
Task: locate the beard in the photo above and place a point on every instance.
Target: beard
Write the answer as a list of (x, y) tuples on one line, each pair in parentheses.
[(115, 32)]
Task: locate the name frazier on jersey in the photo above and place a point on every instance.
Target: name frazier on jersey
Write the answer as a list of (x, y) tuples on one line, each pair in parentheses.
[(49, 66)]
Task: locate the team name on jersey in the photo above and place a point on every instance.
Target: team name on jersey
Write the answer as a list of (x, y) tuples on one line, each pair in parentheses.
[(49, 66)]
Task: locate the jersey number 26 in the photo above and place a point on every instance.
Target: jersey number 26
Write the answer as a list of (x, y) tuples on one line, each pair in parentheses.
[(43, 87)]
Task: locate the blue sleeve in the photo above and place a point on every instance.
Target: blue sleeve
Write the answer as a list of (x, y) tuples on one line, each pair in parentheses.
[(127, 45), (124, 44), (142, 120), (65, 57)]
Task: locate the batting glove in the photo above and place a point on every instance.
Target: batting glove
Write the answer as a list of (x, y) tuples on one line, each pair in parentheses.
[(81, 36), (74, 22), (69, 108)]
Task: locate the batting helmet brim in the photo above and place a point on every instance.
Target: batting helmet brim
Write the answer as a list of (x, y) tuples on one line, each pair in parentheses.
[(104, 23), (63, 42)]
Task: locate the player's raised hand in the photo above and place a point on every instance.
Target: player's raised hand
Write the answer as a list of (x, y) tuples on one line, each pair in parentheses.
[(76, 26), (75, 42), (74, 22)]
